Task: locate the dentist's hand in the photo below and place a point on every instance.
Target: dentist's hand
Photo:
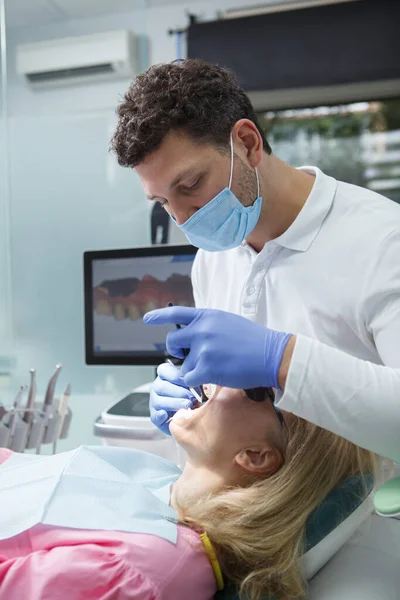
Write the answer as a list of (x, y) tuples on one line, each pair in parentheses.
[(168, 394), (225, 349)]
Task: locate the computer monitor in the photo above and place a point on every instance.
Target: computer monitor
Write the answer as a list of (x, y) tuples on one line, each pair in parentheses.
[(120, 286)]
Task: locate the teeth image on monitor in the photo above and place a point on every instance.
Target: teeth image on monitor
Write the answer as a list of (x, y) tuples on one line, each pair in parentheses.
[(149, 305), (133, 311), (103, 307), (119, 311)]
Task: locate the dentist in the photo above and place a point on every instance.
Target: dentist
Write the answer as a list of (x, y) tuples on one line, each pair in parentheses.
[(297, 280)]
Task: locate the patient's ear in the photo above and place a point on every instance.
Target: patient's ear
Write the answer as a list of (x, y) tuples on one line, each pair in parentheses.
[(266, 459)]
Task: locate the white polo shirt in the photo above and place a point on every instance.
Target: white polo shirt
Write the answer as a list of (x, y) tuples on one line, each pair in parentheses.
[(333, 279)]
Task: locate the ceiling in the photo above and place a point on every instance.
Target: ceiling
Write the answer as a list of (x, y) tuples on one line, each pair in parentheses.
[(24, 13)]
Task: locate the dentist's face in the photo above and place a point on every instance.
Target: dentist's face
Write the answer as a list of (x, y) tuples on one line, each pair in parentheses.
[(183, 175), (228, 426)]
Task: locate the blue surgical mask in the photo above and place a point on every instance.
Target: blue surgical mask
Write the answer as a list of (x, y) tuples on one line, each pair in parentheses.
[(223, 223)]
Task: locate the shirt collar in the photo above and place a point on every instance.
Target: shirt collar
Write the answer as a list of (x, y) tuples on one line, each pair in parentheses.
[(306, 226)]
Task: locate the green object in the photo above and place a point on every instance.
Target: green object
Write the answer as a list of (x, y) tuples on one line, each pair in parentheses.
[(387, 499), (339, 504)]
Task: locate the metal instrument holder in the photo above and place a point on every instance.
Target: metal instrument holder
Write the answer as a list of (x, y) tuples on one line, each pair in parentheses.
[(43, 429)]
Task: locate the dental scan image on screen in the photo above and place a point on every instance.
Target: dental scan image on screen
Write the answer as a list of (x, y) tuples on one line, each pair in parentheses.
[(124, 289)]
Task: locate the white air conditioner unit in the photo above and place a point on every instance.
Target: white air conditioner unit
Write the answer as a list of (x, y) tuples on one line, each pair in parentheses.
[(79, 59)]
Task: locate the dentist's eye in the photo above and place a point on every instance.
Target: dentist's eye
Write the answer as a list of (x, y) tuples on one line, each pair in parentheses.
[(187, 189), (195, 184)]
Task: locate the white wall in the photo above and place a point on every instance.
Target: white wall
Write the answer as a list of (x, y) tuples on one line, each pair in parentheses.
[(153, 22)]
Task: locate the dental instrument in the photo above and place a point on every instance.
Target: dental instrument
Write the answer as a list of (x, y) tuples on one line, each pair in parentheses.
[(36, 421), (66, 424), (24, 427), (62, 411), (13, 413), (186, 352), (4, 435), (52, 419), (192, 390), (49, 397), (4, 431), (37, 431), (28, 415), (18, 428)]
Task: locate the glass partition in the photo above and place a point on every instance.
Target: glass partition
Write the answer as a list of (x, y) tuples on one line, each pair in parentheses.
[(5, 287), (61, 193)]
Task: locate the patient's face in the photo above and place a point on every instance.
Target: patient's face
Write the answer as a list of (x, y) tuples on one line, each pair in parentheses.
[(225, 427)]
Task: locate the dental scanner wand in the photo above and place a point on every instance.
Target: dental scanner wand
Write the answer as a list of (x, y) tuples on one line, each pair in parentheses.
[(185, 351), (192, 390)]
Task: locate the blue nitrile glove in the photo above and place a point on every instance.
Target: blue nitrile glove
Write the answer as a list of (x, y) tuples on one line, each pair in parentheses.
[(168, 393), (225, 349)]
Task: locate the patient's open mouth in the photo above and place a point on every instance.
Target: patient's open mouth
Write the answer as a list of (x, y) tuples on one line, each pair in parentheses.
[(187, 413)]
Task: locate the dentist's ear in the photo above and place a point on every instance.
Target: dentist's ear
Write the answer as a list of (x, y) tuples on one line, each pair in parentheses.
[(260, 461), (248, 142)]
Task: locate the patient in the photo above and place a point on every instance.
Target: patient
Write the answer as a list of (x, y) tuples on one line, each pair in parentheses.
[(249, 482)]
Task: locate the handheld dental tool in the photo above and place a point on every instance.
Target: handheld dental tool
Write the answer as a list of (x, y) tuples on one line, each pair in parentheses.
[(13, 415), (51, 386), (180, 361), (62, 411), (37, 430), (4, 431), (30, 405), (52, 418), (66, 424), (192, 390), (36, 422), (4, 435), (18, 427)]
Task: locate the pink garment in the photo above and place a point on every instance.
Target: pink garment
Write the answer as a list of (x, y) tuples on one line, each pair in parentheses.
[(59, 563)]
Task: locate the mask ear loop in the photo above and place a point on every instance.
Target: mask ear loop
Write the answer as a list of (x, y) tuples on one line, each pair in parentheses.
[(258, 182), (231, 175)]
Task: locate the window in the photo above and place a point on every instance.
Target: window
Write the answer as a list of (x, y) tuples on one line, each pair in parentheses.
[(358, 142)]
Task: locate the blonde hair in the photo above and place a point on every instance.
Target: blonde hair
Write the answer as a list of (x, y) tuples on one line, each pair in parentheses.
[(258, 531)]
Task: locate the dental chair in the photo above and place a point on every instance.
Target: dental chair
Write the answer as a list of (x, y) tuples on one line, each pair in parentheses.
[(387, 499), (350, 553)]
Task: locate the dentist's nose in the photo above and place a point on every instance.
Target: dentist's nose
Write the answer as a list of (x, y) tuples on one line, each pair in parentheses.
[(183, 214)]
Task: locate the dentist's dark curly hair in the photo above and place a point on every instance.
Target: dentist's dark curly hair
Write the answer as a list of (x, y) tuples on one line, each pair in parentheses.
[(195, 97)]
